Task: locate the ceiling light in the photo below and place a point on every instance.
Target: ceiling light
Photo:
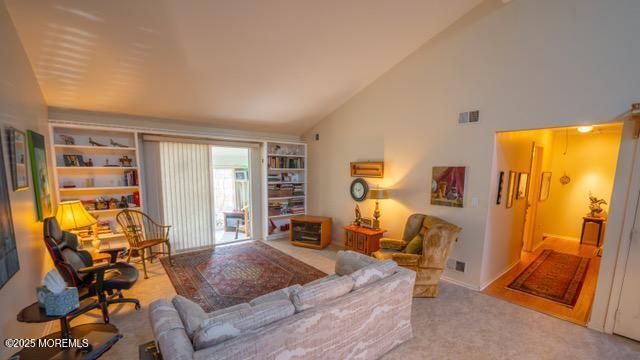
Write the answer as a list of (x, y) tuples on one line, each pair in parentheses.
[(585, 129)]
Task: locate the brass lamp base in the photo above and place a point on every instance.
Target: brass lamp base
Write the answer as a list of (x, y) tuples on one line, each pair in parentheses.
[(376, 217)]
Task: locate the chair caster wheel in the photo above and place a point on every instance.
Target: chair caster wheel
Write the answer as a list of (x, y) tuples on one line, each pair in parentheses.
[(137, 307)]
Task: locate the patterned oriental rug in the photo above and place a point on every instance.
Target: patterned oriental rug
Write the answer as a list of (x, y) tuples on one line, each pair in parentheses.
[(554, 276), (235, 274)]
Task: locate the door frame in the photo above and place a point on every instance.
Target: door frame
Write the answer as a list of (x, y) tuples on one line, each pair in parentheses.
[(531, 206)]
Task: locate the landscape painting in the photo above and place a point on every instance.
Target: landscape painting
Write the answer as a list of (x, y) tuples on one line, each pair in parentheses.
[(8, 252), (41, 184), (447, 186)]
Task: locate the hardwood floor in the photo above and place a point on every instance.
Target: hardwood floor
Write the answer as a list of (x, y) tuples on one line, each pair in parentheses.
[(580, 313)]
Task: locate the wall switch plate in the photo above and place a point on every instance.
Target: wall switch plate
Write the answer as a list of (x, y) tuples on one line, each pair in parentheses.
[(474, 202)]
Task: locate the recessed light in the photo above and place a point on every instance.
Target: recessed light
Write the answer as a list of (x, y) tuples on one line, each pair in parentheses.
[(585, 129)]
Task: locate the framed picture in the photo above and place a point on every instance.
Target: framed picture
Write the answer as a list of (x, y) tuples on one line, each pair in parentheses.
[(41, 184), (500, 181), (545, 186), (9, 264), (73, 160), (367, 169), (523, 184), (447, 186), (241, 175), (511, 190), (18, 158)]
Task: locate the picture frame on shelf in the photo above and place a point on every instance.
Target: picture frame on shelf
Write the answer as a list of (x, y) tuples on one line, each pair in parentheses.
[(17, 146), (40, 174), (73, 160), (9, 264)]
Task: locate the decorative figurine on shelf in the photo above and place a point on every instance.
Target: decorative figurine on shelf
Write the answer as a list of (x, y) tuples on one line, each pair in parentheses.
[(595, 206), (115, 144), (67, 140), (356, 222), (88, 163), (95, 143), (113, 204), (125, 161), (123, 204)]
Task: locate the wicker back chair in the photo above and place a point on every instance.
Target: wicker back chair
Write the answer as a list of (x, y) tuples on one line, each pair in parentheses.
[(143, 234)]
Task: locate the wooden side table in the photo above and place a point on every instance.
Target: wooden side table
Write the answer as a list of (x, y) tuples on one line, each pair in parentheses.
[(362, 240), (599, 236), (310, 231)]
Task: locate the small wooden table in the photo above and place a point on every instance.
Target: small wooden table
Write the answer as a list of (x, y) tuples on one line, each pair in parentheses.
[(601, 222), (310, 231), (362, 240)]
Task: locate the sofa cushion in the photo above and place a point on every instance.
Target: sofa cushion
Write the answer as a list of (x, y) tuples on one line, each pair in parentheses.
[(373, 273), (323, 279), (415, 245), (316, 294), (350, 261), (282, 294), (218, 329), (192, 314)]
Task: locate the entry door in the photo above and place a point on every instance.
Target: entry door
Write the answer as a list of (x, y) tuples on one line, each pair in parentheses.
[(628, 314), (532, 198)]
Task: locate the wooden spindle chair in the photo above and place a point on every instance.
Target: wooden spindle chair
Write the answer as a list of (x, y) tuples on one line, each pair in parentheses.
[(143, 234)]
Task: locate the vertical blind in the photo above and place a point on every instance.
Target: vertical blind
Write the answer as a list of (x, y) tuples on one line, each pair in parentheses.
[(185, 175)]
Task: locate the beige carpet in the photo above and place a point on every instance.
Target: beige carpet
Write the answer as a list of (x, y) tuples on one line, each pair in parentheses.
[(459, 324)]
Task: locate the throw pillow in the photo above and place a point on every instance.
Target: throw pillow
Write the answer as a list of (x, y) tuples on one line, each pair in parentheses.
[(218, 329), (317, 294), (192, 314), (415, 245), (350, 261), (373, 273), (282, 294)]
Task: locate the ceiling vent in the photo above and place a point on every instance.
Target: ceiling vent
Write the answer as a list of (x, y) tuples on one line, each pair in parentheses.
[(469, 117)]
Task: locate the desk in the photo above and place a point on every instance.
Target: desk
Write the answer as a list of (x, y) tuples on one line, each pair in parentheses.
[(587, 237)]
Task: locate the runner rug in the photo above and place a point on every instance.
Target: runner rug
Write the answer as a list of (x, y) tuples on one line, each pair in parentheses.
[(234, 274), (554, 276)]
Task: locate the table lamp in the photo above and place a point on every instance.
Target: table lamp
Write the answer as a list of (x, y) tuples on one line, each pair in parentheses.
[(377, 194), (72, 215)]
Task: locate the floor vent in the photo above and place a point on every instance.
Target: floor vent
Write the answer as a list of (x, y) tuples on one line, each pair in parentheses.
[(457, 265)]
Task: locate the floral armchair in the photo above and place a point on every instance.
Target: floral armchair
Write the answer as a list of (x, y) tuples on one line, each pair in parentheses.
[(437, 237)]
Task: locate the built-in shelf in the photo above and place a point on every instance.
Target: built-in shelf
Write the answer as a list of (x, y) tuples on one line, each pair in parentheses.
[(284, 216), (291, 156), (99, 168), (287, 197), (284, 182), (286, 169), (99, 188), (112, 210), (96, 148)]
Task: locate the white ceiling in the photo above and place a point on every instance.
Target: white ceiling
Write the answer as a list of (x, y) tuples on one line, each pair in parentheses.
[(268, 65)]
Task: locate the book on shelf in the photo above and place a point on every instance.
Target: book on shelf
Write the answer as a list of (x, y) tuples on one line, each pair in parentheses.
[(280, 162), (131, 177)]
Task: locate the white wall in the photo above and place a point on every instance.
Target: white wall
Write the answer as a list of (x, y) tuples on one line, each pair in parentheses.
[(21, 106), (527, 64)]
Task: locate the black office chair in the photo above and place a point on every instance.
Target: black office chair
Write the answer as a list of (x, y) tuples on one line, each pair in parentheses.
[(106, 281)]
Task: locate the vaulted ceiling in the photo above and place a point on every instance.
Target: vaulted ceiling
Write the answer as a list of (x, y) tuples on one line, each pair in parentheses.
[(275, 65)]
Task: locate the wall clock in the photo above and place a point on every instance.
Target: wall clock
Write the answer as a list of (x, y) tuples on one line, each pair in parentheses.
[(359, 189)]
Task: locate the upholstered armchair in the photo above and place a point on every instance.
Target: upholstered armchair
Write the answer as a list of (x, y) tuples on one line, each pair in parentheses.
[(437, 237)]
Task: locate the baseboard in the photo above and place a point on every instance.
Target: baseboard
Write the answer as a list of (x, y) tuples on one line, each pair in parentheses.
[(459, 283), (484, 286), (47, 328), (546, 235)]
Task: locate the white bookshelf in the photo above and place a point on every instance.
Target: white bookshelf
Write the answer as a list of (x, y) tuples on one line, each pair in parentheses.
[(105, 179), (286, 168)]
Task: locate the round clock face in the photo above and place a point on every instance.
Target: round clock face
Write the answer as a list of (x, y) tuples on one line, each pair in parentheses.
[(359, 189)]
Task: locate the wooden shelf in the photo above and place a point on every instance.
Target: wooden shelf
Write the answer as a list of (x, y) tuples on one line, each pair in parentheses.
[(97, 168), (96, 148), (284, 216), (99, 188), (286, 169), (111, 210), (291, 156), (287, 197), (284, 182)]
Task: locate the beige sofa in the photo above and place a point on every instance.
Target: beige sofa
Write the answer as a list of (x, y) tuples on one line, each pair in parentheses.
[(365, 322)]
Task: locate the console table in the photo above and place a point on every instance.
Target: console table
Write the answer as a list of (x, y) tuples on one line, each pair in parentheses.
[(362, 240)]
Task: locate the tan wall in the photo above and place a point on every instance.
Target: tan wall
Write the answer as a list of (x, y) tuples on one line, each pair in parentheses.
[(590, 162), (21, 106), (527, 64)]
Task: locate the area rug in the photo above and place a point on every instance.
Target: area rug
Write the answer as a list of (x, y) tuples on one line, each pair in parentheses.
[(554, 276), (234, 274)]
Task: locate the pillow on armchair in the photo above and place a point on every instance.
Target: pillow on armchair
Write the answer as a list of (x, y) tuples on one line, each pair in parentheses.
[(415, 245)]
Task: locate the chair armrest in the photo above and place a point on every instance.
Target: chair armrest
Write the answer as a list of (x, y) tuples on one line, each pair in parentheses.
[(113, 252), (100, 268), (406, 259), (392, 244)]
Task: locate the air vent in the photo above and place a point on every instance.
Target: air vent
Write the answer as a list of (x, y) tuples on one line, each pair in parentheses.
[(469, 117), (453, 264)]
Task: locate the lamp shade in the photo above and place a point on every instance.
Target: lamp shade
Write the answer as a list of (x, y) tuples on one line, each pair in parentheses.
[(378, 194), (73, 215)]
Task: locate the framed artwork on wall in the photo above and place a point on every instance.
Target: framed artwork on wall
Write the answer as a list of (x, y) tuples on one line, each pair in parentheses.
[(41, 183), (447, 185), (511, 190), (9, 264), (500, 181), (17, 141), (545, 186), (523, 184)]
